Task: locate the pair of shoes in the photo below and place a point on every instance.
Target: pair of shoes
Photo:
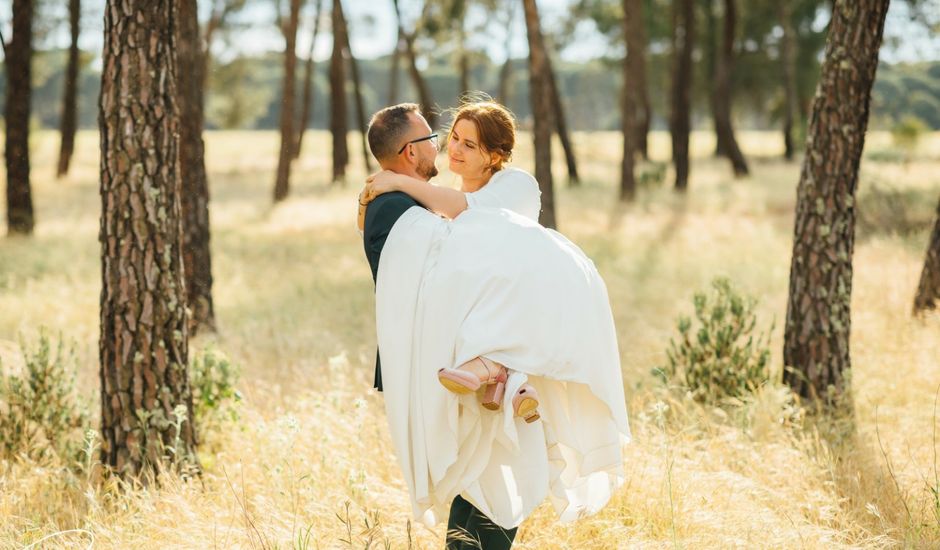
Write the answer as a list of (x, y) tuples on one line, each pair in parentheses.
[(462, 380), (526, 403)]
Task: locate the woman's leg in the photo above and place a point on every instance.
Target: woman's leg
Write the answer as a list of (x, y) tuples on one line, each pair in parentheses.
[(468, 528)]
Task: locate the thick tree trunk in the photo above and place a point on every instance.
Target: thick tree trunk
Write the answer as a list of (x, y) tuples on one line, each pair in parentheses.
[(561, 124), (357, 91), (928, 291), (722, 95), (307, 105), (338, 126), (146, 401), (683, 39), (816, 338), (18, 55), (421, 87), (539, 92), (788, 59), (288, 138), (632, 18), (68, 123), (197, 261)]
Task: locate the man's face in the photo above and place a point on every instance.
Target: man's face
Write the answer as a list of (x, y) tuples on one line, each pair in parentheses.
[(425, 152)]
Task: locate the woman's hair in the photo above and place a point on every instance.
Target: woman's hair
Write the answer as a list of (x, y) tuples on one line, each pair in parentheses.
[(495, 125)]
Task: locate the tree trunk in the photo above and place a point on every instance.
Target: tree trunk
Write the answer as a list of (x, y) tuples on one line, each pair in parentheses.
[(338, 126), (636, 40), (683, 39), (632, 19), (424, 94), (561, 125), (505, 72), (18, 55), (288, 138), (788, 58), (357, 91), (723, 92), (69, 98), (146, 401), (539, 92), (463, 64), (393, 71), (928, 291), (197, 264), (307, 105), (816, 338), (711, 68)]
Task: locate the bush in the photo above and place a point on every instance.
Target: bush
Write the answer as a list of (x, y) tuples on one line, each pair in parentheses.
[(40, 414), (718, 358), (213, 377), (907, 132)]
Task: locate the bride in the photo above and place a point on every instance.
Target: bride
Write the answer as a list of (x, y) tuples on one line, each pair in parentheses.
[(508, 307)]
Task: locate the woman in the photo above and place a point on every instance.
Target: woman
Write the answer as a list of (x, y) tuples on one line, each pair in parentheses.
[(495, 288), (479, 143)]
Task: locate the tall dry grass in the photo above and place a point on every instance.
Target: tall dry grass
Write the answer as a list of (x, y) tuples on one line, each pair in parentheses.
[(309, 464)]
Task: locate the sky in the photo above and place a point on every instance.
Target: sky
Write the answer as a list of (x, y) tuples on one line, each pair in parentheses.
[(373, 30)]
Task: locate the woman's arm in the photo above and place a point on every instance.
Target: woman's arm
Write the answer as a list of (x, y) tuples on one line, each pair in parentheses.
[(443, 200)]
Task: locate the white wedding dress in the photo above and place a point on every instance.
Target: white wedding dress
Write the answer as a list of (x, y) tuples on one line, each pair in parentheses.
[(494, 283)]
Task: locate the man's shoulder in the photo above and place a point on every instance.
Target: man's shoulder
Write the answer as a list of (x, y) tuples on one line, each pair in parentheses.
[(387, 208)]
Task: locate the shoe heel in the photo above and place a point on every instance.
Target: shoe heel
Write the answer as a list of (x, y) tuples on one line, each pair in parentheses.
[(493, 396), (525, 404)]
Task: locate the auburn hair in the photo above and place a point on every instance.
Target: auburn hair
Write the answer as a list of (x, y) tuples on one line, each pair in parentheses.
[(495, 125)]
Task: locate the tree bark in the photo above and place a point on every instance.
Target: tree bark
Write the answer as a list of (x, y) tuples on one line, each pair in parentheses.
[(683, 39), (68, 123), (723, 92), (816, 338), (539, 92), (18, 55), (561, 125), (357, 91), (146, 401), (338, 126), (788, 59), (288, 138), (632, 18), (424, 94), (928, 291), (307, 105), (197, 263)]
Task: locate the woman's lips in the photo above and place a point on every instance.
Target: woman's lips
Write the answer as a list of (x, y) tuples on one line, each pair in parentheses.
[(452, 159)]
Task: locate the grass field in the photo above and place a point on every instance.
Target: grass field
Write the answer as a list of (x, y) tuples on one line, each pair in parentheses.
[(310, 465)]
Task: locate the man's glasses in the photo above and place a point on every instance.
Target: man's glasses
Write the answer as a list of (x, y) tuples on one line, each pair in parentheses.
[(432, 136)]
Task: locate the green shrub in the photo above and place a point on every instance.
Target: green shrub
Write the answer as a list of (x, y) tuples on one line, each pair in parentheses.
[(651, 174), (717, 355), (213, 377), (40, 413), (907, 132)]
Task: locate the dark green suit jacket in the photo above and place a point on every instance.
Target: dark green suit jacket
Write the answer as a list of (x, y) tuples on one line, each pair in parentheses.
[(381, 216)]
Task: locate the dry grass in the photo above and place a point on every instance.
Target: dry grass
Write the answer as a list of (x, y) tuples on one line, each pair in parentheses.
[(294, 301)]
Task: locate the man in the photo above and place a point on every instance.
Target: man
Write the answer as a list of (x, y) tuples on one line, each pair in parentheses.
[(402, 141)]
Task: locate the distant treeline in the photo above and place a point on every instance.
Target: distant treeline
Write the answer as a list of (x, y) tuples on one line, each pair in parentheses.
[(244, 93)]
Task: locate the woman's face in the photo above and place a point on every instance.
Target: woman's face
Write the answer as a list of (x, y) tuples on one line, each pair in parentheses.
[(466, 157)]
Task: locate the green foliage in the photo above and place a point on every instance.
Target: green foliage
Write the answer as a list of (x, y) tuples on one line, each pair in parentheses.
[(213, 377), (40, 413), (907, 132), (651, 174), (884, 209), (717, 356)]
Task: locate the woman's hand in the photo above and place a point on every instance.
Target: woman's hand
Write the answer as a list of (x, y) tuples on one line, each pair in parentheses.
[(380, 183)]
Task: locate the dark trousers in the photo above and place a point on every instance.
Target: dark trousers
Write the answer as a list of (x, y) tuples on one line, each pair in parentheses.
[(469, 529)]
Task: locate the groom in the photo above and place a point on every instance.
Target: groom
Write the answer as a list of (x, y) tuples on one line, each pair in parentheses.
[(402, 141)]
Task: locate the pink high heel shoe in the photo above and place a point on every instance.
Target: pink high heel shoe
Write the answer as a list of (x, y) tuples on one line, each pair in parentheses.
[(526, 403), (462, 381)]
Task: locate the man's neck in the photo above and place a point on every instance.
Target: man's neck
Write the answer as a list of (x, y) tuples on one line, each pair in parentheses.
[(405, 170)]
